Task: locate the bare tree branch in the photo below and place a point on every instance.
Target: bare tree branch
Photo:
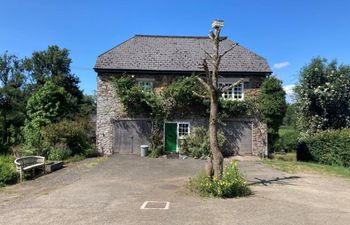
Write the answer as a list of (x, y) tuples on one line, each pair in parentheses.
[(228, 50), (208, 54), (199, 95), (226, 88), (203, 83)]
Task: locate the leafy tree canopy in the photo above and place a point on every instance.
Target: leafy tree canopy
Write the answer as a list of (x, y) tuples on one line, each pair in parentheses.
[(323, 96), (12, 98), (53, 65), (272, 105), (51, 103)]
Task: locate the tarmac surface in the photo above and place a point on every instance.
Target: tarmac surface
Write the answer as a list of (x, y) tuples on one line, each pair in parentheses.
[(113, 190)]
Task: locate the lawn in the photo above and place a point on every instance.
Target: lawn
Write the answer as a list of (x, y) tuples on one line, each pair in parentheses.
[(294, 166)]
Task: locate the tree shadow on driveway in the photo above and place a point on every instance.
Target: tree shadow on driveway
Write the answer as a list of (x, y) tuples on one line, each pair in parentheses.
[(277, 180)]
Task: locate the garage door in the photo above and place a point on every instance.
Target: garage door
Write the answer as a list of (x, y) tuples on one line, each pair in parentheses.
[(239, 136), (130, 134)]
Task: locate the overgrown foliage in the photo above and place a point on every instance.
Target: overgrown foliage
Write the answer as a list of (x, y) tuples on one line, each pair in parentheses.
[(272, 105), (38, 92), (70, 134), (139, 101), (323, 96), (48, 105), (176, 100), (197, 143), (8, 174), (330, 147), (230, 109), (12, 100), (181, 100), (232, 184)]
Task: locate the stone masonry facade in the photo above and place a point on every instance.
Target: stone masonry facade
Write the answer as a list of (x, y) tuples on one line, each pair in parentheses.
[(109, 108)]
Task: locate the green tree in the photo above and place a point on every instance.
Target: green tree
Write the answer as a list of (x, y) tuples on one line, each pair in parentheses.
[(290, 119), (272, 105), (323, 96), (49, 104), (12, 98), (53, 65)]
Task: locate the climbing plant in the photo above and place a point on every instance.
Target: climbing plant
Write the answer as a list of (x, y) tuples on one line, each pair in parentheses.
[(177, 100)]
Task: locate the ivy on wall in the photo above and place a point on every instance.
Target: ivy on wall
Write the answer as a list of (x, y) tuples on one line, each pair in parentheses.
[(176, 101)]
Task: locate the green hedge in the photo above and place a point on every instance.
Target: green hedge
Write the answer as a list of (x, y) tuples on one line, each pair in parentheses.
[(8, 174), (330, 147)]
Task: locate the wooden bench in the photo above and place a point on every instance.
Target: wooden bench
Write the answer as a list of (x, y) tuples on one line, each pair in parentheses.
[(29, 163)]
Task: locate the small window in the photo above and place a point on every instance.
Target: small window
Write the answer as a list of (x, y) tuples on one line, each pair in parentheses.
[(148, 85), (235, 93), (183, 130)]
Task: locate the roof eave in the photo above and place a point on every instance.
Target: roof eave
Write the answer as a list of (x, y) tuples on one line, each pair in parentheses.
[(183, 72)]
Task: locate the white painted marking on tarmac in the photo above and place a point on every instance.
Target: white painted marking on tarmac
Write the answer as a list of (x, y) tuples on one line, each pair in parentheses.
[(166, 205)]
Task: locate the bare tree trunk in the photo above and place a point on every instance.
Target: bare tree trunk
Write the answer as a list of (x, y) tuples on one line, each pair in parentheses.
[(213, 137), (212, 86)]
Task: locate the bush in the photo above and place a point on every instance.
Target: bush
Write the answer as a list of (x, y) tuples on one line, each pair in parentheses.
[(330, 147), (156, 151), (197, 143), (59, 153), (232, 184), (91, 152), (8, 174), (73, 134)]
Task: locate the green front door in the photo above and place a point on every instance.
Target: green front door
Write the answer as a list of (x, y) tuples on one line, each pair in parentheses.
[(170, 134)]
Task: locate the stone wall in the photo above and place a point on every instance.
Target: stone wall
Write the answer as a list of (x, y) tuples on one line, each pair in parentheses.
[(110, 108), (259, 138)]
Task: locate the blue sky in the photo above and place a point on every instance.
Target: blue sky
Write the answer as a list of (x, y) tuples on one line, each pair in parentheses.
[(287, 33)]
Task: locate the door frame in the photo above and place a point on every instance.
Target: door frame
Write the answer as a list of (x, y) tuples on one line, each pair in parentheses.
[(177, 131)]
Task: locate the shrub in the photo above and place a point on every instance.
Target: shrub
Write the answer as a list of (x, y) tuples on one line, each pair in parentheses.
[(74, 134), (8, 174), (91, 152), (232, 184), (155, 151), (330, 147), (197, 144), (59, 153)]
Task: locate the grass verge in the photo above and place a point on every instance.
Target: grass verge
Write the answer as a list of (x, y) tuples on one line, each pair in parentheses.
[(297, 166)]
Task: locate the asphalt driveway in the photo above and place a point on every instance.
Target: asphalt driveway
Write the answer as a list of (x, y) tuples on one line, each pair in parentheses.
[(111, 191)]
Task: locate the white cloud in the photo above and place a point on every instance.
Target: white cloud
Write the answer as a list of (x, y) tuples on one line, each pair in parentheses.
[(281, 65), (289, 89), (290, 94)]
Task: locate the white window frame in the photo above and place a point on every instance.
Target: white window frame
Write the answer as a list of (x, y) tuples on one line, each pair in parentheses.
[(141, 82), (188, 129), (179, 138), (232, 97)]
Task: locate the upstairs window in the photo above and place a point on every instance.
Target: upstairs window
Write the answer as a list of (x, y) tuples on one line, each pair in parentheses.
[(146, 84), (235, 93)]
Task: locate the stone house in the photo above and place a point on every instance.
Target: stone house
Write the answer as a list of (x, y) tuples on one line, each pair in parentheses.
[(155, 61)]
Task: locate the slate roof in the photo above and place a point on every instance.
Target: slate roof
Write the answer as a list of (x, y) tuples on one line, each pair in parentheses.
[(176, 53)]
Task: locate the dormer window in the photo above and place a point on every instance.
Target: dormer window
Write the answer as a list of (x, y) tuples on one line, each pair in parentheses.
[(235, 93)]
